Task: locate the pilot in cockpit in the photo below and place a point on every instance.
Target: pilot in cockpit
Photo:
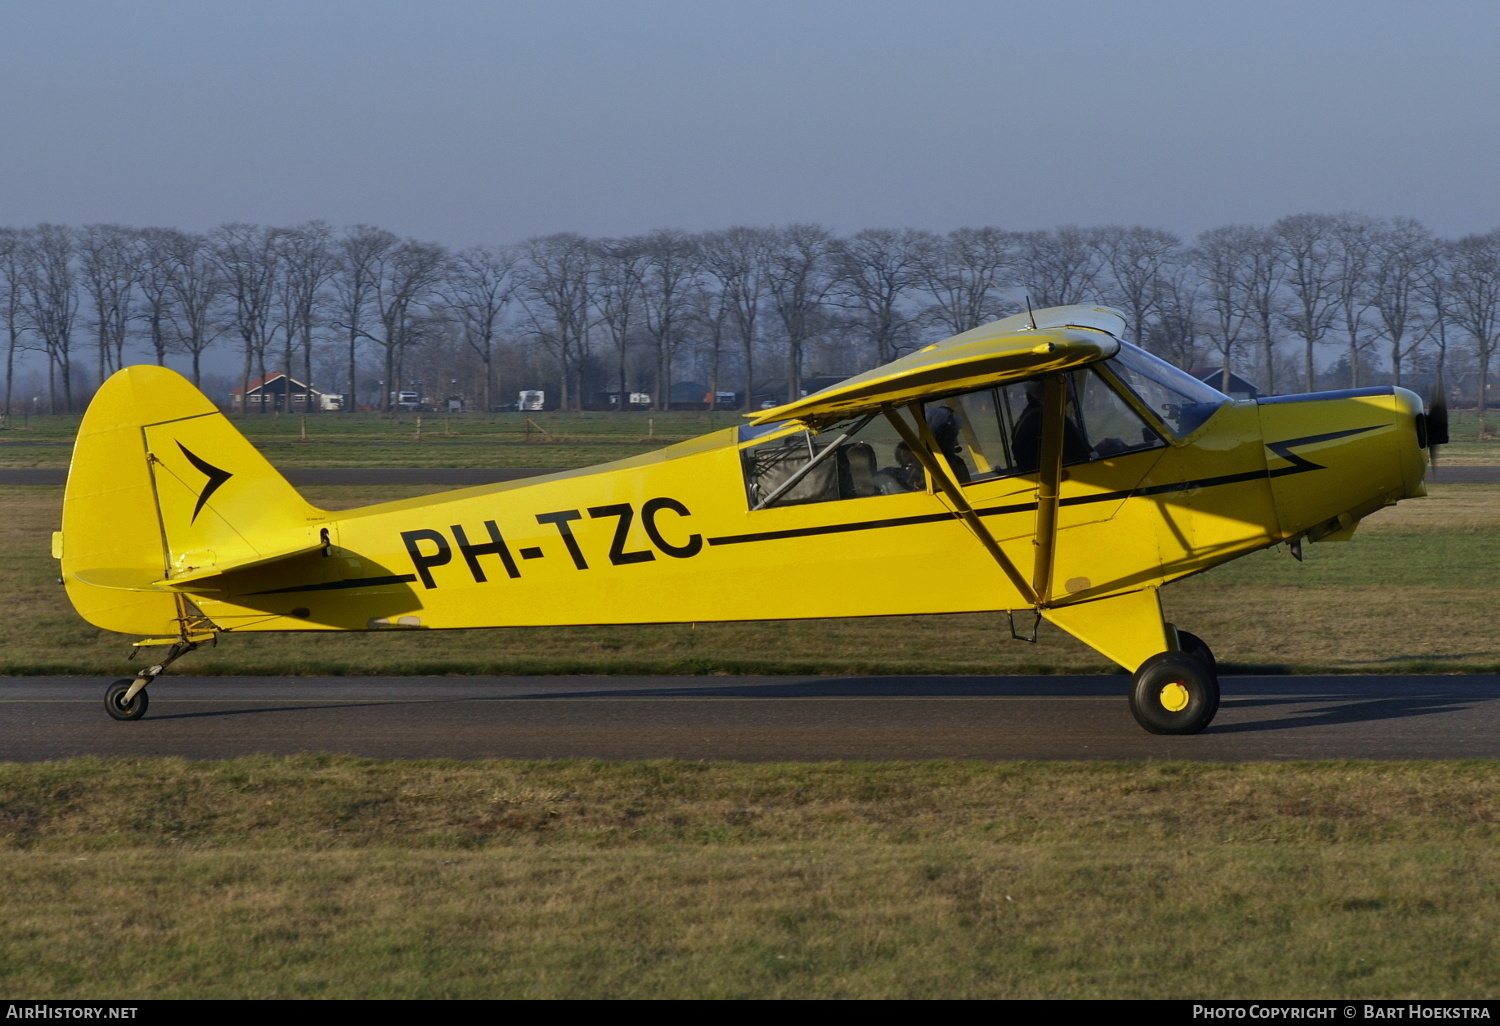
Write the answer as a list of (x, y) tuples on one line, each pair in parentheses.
[(1028, 432)]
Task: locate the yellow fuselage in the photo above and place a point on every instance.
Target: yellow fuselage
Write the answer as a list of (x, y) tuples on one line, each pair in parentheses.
[(670, 537)]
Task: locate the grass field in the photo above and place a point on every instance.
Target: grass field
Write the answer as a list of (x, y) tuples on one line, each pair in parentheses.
[(346, 878), (372, 440), (1415, 590), (497, 440), (336, 877)]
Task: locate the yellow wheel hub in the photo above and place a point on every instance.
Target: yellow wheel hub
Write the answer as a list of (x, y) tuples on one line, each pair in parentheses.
[(1174, 697)]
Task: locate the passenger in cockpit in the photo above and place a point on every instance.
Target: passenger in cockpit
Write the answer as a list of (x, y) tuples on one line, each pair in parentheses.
[(943, 423), (905, 476)]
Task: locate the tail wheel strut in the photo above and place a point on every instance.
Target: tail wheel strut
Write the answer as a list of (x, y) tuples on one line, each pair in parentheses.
[(126, 699)]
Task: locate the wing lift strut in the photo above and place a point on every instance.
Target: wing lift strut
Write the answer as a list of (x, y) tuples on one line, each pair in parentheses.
[(1036, 592)]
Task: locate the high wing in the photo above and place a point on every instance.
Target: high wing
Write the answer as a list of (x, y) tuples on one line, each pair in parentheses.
[(1022, 346)]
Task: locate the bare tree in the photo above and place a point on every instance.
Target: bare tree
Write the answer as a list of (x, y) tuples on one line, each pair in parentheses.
[(247, 258), (620, 271), (308, 262), (555, 292), (1306, 242), (193, 275), (1223, 260), (1173, 335), (1435, 286), (1353, 241), (736, 259), (874, 270), (477, 291), (12, 284), (155, 281), (1475, 284), (360, 252), (797, 280), (1139, 261), (1263, 297), (405, 279), (109, 265), (712, 313), (50, 299), (963, 272), (1402, 251), (672, 264), (1060, 266)]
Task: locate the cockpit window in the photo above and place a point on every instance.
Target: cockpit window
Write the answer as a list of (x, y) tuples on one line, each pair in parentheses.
[(981, 435), (855, 459), (1181, 401), (1098, 423)]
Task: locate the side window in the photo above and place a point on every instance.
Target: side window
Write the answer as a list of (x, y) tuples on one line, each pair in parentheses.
[(1110, 424), (1023, 403), (998, 431), (982, 435), (852, 460), (968, 430), (1181, 401)]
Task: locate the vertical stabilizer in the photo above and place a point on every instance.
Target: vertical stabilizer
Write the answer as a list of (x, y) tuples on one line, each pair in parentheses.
[(162, 485)]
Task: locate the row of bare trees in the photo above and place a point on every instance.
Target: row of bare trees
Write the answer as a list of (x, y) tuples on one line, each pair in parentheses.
[(755, 309)]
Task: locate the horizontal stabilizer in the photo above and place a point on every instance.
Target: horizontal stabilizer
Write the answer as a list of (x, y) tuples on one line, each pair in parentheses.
[(120, 578), (199, 580), (191, 579)]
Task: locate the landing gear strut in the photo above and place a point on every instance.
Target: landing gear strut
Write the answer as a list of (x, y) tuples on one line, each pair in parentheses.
[(1196, 646), (126, 699)]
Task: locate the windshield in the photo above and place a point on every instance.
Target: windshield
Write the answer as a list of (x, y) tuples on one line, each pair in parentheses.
[(1179, 399)]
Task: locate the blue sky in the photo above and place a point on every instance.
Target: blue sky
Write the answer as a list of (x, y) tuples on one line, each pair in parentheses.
[(463, 122)]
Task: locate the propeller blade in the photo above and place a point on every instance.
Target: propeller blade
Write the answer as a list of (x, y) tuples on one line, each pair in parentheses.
[(1437, 421)]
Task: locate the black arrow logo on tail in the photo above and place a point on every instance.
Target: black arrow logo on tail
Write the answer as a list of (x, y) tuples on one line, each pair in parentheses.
[(216, 477)]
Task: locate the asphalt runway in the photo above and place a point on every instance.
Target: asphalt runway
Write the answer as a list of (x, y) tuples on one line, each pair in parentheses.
[(750, 718)]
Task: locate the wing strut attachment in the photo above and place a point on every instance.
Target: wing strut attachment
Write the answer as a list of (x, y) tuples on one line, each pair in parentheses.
[(923, 446), (1049, 483)]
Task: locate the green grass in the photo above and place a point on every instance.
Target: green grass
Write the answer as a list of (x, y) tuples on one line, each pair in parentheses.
[(1413, 591), (341, 878), (372, 440), (564, 440)]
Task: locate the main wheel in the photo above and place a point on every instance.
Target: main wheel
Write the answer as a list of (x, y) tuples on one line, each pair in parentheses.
[(1196, 646), (1174, 693), (117, 707)]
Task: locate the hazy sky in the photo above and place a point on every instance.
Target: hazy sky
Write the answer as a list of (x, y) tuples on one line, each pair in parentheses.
[(462, 121)]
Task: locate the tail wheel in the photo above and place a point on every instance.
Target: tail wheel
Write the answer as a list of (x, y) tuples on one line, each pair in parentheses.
[(1174, 693), (118, 708)]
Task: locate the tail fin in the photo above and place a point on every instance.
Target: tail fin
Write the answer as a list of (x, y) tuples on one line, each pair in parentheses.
[(163, 488)]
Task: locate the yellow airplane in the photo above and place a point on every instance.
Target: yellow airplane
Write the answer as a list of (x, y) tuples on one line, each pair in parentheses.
[(1040, 464)]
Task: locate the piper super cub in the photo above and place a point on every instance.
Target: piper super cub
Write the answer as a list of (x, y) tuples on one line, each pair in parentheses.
[(1039, 464)]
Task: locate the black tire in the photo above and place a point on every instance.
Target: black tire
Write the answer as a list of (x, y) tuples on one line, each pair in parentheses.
[(1174, 693), (1196, 646), (115, 705)]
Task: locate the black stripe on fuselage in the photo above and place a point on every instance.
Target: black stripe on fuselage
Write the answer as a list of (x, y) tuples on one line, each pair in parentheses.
[(1300, 465), (353, 582)]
